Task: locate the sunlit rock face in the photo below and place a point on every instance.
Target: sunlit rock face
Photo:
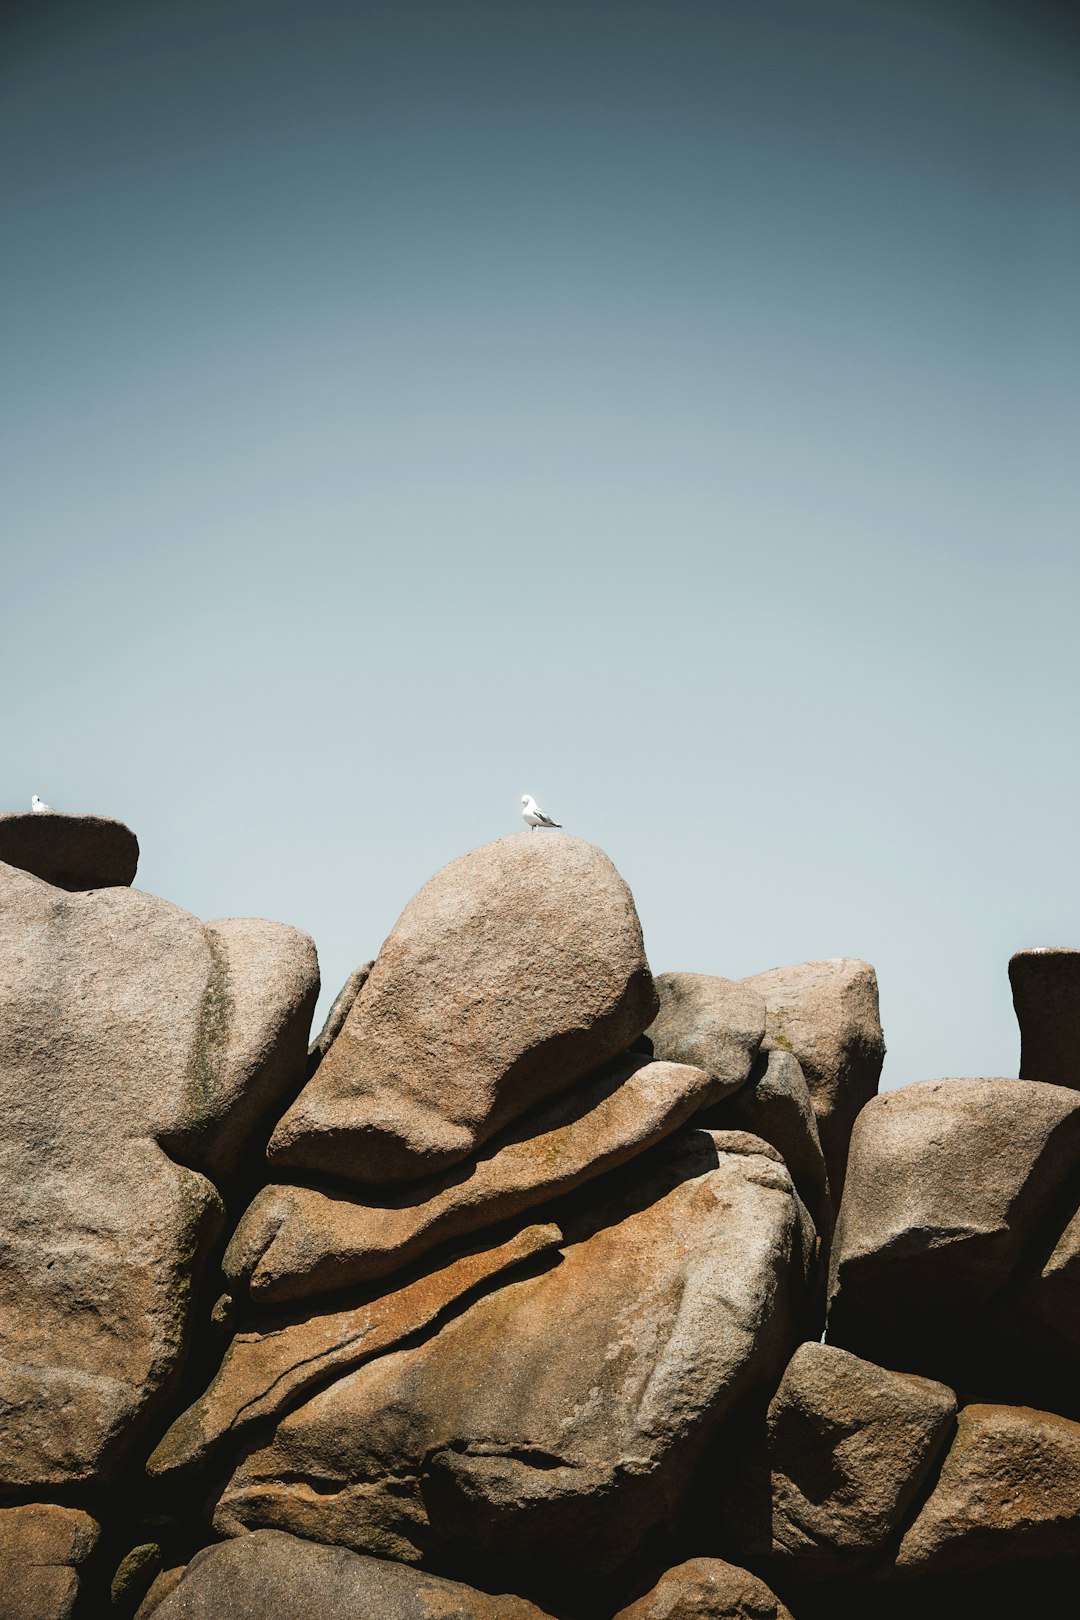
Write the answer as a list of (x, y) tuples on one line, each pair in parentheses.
[(503, 1299)]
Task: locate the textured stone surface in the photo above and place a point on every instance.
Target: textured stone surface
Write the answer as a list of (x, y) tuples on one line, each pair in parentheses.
[(715, 1024), (707, 1589), (826, 1013), (263, 1374), (71, 852), (775, 1104), (515, 971), (272, 1576), (296, 1241), (1046, 995), (124, 1024), (849, 1444), (41, 1548), (1008, 1492), (341, 1008), (947, 1181), (547, 1431)]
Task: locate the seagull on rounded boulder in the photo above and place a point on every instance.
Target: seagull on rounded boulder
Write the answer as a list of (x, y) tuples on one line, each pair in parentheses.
[(532, 814), (39, 807)]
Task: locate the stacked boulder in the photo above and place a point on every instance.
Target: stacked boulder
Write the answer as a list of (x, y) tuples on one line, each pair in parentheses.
[(505, 1297)]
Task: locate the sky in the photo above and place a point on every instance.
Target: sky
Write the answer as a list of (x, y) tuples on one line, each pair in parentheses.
[(670, 410)]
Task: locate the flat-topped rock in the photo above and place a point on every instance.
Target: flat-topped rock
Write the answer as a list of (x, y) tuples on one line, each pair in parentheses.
[(42, 1547), (513, 973), (1046, 995), (70, 852)]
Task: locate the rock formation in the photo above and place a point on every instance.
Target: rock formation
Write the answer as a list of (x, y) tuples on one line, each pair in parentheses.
[(504, 1296)]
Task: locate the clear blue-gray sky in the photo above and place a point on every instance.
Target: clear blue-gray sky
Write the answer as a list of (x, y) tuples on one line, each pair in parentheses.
[(671, 410)]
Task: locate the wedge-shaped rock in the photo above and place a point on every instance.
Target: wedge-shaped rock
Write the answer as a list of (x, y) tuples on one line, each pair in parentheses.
[(826, 1013), (41, 1549), (264, 1374), (70, 852), (947, 1182), (1008, 1493), (1046, 995), (775, 1104), (272, 1576), (707, 1589), (295, 1241), (714, 1024), (125, 1024), (547, 1432), (514, 972), (847, 1447)]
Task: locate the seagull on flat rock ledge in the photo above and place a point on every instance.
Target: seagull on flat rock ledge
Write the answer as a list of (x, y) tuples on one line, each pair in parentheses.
[(39, 807), (533, 816)]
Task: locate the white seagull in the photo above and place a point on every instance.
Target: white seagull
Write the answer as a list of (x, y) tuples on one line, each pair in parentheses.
[(39, 807), (533, 816)]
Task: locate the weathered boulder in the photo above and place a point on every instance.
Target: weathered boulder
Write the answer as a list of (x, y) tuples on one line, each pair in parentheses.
[(297, 1241), (1046, 995), (1008, 1493), (263, 1374), (125, 1024), (549, 1432), (826, 1013), (273, 1576), (41, 1549), (70, 852), (707, 1589), (847, 1447), (513, 973), (714, 1024), (775, 1104), (340, 1009), (947, 1182)]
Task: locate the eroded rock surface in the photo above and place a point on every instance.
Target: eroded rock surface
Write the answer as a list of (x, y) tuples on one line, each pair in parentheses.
[(714, 1024), (947, 1182), (297, 1241), (41, 1548), (273, 1576), (125, 1023), (515, 971), (826, 1013), (848, 1446), (707, 1589), (1008, 1493), (552, 1426), (1046, 995), (70, 852)]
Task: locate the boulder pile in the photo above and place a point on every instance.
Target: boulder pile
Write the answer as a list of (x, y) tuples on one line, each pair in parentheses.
[(532, 1286)]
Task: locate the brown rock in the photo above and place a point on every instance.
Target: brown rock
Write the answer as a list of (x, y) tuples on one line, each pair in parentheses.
[(826, 1013), (947, 1182), (340, 1010), (295, 1241), (70, 852), (41, 1549), (1046, 995), (849, 1445), (775, 1104), (714, 1024), (124, 1024), (551, 1429), (272, 1576), (263, 1374), (514, 972), (707, 1589), (1008, 1493)]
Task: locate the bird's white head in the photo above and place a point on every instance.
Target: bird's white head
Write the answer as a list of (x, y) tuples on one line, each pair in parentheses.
[(526, 798)]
